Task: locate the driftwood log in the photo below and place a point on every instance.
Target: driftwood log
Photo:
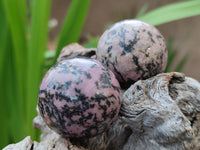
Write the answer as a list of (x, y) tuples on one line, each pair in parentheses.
[(158, 113), (162, 112)]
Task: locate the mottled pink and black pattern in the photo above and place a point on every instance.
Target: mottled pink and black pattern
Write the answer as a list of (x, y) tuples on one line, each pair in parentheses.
[(133, 50), (78, 97)]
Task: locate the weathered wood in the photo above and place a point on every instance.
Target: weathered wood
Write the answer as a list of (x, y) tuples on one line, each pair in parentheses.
[(162, 112), (74, 50)]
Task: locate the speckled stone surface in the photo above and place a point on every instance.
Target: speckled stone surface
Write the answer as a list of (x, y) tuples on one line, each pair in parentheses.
[(78, 97), (133, 50)]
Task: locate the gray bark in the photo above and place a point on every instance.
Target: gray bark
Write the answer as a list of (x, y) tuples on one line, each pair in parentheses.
[(158, 113)]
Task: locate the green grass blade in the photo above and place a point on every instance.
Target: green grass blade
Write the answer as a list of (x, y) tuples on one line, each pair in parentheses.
[(183, 61), (17, 19), (11, 117), (171, 54), (142, 10), (14, 112), (3, 37), (171, 57), (172, 12), (36, 49), (4, 130), (9, 107), (73, 24)]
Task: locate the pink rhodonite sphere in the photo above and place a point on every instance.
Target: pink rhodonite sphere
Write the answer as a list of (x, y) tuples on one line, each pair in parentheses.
[(78, 97), (133, 50)]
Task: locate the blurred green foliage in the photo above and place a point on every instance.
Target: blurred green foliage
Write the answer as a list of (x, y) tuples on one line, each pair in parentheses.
[(23, 44), (23, 55), (91, 42), (172, 12)]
